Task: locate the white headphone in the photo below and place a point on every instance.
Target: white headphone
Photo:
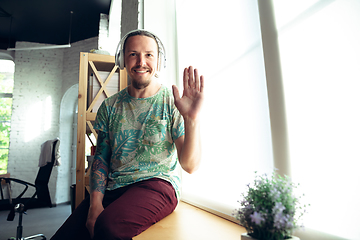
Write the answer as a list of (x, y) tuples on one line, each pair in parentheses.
[(119, 54)]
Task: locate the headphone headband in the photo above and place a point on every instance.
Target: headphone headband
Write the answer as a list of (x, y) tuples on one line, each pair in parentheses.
[(119, 54)]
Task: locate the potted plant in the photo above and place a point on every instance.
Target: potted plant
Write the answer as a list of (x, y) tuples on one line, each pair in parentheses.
[(269, 209)]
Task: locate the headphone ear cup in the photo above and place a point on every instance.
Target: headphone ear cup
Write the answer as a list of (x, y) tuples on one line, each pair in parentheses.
[(160, 63), (163, 61), (121, 60)]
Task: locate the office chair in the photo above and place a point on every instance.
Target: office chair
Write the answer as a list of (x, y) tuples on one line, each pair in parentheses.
[(41, 197)]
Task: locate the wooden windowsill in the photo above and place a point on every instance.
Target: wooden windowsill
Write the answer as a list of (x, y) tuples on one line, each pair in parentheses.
[(191, 223)]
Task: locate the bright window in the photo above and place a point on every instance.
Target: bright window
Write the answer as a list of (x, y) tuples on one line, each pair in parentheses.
[(319, 60), (6, 89), (224, 42)]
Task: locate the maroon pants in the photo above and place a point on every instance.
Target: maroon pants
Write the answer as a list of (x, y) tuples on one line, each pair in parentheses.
[(128, 211)]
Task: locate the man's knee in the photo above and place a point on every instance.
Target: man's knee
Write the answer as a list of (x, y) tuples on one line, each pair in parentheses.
[(109, 229)]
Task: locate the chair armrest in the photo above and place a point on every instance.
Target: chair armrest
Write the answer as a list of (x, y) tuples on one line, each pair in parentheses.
[(19, 181), (26, 184)]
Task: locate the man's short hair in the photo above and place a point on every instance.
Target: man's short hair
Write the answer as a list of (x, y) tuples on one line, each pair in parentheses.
[(141, 33)]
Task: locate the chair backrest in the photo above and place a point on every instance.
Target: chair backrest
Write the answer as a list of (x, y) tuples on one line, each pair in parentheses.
[(43, 177)]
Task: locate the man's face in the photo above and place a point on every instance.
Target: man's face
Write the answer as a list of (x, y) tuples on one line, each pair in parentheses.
[(141, 57)]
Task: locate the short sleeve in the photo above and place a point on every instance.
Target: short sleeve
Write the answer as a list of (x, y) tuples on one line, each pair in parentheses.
[(102, 118)]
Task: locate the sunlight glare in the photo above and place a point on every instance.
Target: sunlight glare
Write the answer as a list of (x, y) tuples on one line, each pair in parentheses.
[(47, 113), (33, 125)]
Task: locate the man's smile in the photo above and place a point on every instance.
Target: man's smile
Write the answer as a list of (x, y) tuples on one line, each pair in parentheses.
[(141, 71)]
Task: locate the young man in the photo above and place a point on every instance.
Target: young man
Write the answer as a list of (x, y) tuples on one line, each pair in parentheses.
[(133, 178)]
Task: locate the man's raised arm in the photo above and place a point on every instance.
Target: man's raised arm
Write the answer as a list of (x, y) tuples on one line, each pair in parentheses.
[(189, 106)]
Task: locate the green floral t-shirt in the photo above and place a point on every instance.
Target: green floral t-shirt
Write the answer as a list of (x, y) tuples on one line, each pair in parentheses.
[(142, 133)]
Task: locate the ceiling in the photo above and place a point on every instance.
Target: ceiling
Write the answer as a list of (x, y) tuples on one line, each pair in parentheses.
[(49, 21)]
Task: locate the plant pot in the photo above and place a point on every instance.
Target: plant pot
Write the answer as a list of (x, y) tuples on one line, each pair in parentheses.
[(245, 236)]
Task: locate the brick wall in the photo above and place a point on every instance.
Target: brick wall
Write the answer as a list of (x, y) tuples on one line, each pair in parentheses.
[(35, 115), (70, 71), (41, 79)]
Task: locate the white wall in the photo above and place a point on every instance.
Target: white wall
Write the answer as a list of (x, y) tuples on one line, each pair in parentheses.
[(160, 18)]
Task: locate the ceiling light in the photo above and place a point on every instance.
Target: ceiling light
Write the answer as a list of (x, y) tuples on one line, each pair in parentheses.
[(40, 47)]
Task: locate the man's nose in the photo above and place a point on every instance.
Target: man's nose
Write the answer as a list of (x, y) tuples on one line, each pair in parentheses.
[(141, 60)]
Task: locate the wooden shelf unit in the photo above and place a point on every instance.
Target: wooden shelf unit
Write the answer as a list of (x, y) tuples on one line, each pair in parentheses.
[(91, 63)]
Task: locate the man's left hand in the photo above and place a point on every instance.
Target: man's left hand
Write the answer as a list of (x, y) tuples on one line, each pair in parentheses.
[(189, 105)]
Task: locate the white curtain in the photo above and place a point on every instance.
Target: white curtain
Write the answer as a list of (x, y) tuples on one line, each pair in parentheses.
[(319, 49), (223, 40), (319, 45)]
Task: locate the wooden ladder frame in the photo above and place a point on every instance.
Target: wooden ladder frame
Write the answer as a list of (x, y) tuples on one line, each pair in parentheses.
[(90, 63)]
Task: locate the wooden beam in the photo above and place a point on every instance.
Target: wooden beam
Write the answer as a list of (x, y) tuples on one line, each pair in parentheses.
[(123, 79), (90, 116), (92, 128), (81, 130)]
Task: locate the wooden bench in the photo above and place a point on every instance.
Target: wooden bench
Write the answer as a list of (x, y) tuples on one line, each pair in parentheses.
[(191, 223)]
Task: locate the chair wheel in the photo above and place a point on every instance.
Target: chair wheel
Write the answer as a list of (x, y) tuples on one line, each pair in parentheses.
[(19, 207)]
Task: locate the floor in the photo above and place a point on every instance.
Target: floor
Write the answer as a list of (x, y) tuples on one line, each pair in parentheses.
[(40, 220)]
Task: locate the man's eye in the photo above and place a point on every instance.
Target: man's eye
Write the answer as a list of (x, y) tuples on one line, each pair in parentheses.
[(132, 54), (149, 55)]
